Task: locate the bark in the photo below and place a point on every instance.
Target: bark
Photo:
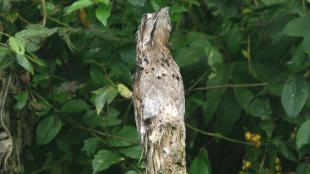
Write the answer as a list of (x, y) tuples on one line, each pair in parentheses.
[(10, 132), (6, 139)]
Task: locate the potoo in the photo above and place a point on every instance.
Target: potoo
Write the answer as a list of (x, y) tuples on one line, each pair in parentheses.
[(158, 97)]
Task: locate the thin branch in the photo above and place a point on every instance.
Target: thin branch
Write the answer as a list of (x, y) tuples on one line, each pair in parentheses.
[(59, 22), (3, 45), (303, 4), (127, 111), (43, 4), (104, 70), (7, 35), (263, 160), (199, 79), (255, 3), (103, 133), (218, 135), (42, 169), (23, 19), (245, 85)]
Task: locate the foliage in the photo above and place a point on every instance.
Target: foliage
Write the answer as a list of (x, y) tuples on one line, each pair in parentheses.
[(245, 66)]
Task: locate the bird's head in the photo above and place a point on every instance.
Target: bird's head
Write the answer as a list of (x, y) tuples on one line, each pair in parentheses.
[(154, 28)]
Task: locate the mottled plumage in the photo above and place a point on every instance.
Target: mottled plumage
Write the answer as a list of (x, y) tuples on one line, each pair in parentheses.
[(158, 91)]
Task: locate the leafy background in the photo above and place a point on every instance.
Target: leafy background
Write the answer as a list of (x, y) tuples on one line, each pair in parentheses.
[(245, 66)]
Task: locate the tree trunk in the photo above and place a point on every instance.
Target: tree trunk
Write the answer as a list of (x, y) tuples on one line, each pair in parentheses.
[(10, 132), (158, 96)]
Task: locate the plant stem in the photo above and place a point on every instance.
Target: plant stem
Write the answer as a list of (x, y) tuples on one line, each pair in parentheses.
[(43, 4), (217, 135), (245, 85), (7, 35)]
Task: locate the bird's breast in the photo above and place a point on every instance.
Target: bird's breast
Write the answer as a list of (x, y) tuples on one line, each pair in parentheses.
[(161, 91)]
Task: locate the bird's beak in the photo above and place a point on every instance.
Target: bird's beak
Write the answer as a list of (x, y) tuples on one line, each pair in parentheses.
[(165, 10)]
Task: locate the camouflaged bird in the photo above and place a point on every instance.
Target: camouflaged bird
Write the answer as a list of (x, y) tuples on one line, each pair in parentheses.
[(158, 97)]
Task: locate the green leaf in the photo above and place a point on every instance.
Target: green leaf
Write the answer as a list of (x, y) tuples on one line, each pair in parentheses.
[(64, 141), (195, 2), (104, 95), (155, 4), (263, 171), (90, 145), (112, 93), (41, 106), (131, 172), (33, 36), (201, 164), (91, 119), (306, 43), (133, 152), (288, 152), (17, 45), (21, 99), (194, 49), (294, 95), (234, 40), (96, 75), (100, 101), (4, 52), (260, 108), (104, 159), (244, 98), (214, 96), (79, 4), (74, 106), (103, 13), (23, 61), (128, 133), (65, 33), (138, 3), (303, 135), (103, 1), (303, 168), (263, 71), (214, 56), (177, 8), (124, 91), (227, 113), (298, 26), (268, 126), (6, 58), (47, 129), (37, 60)]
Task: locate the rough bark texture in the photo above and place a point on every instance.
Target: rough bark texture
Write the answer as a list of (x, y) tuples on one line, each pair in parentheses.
[(10, 132), (158, 96), (6, 140)]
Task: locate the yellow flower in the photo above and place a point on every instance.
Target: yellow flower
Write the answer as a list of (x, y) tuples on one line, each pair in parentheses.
[(277, 160), (278, 168), (248, 135), (246, 165), (256, 138)]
